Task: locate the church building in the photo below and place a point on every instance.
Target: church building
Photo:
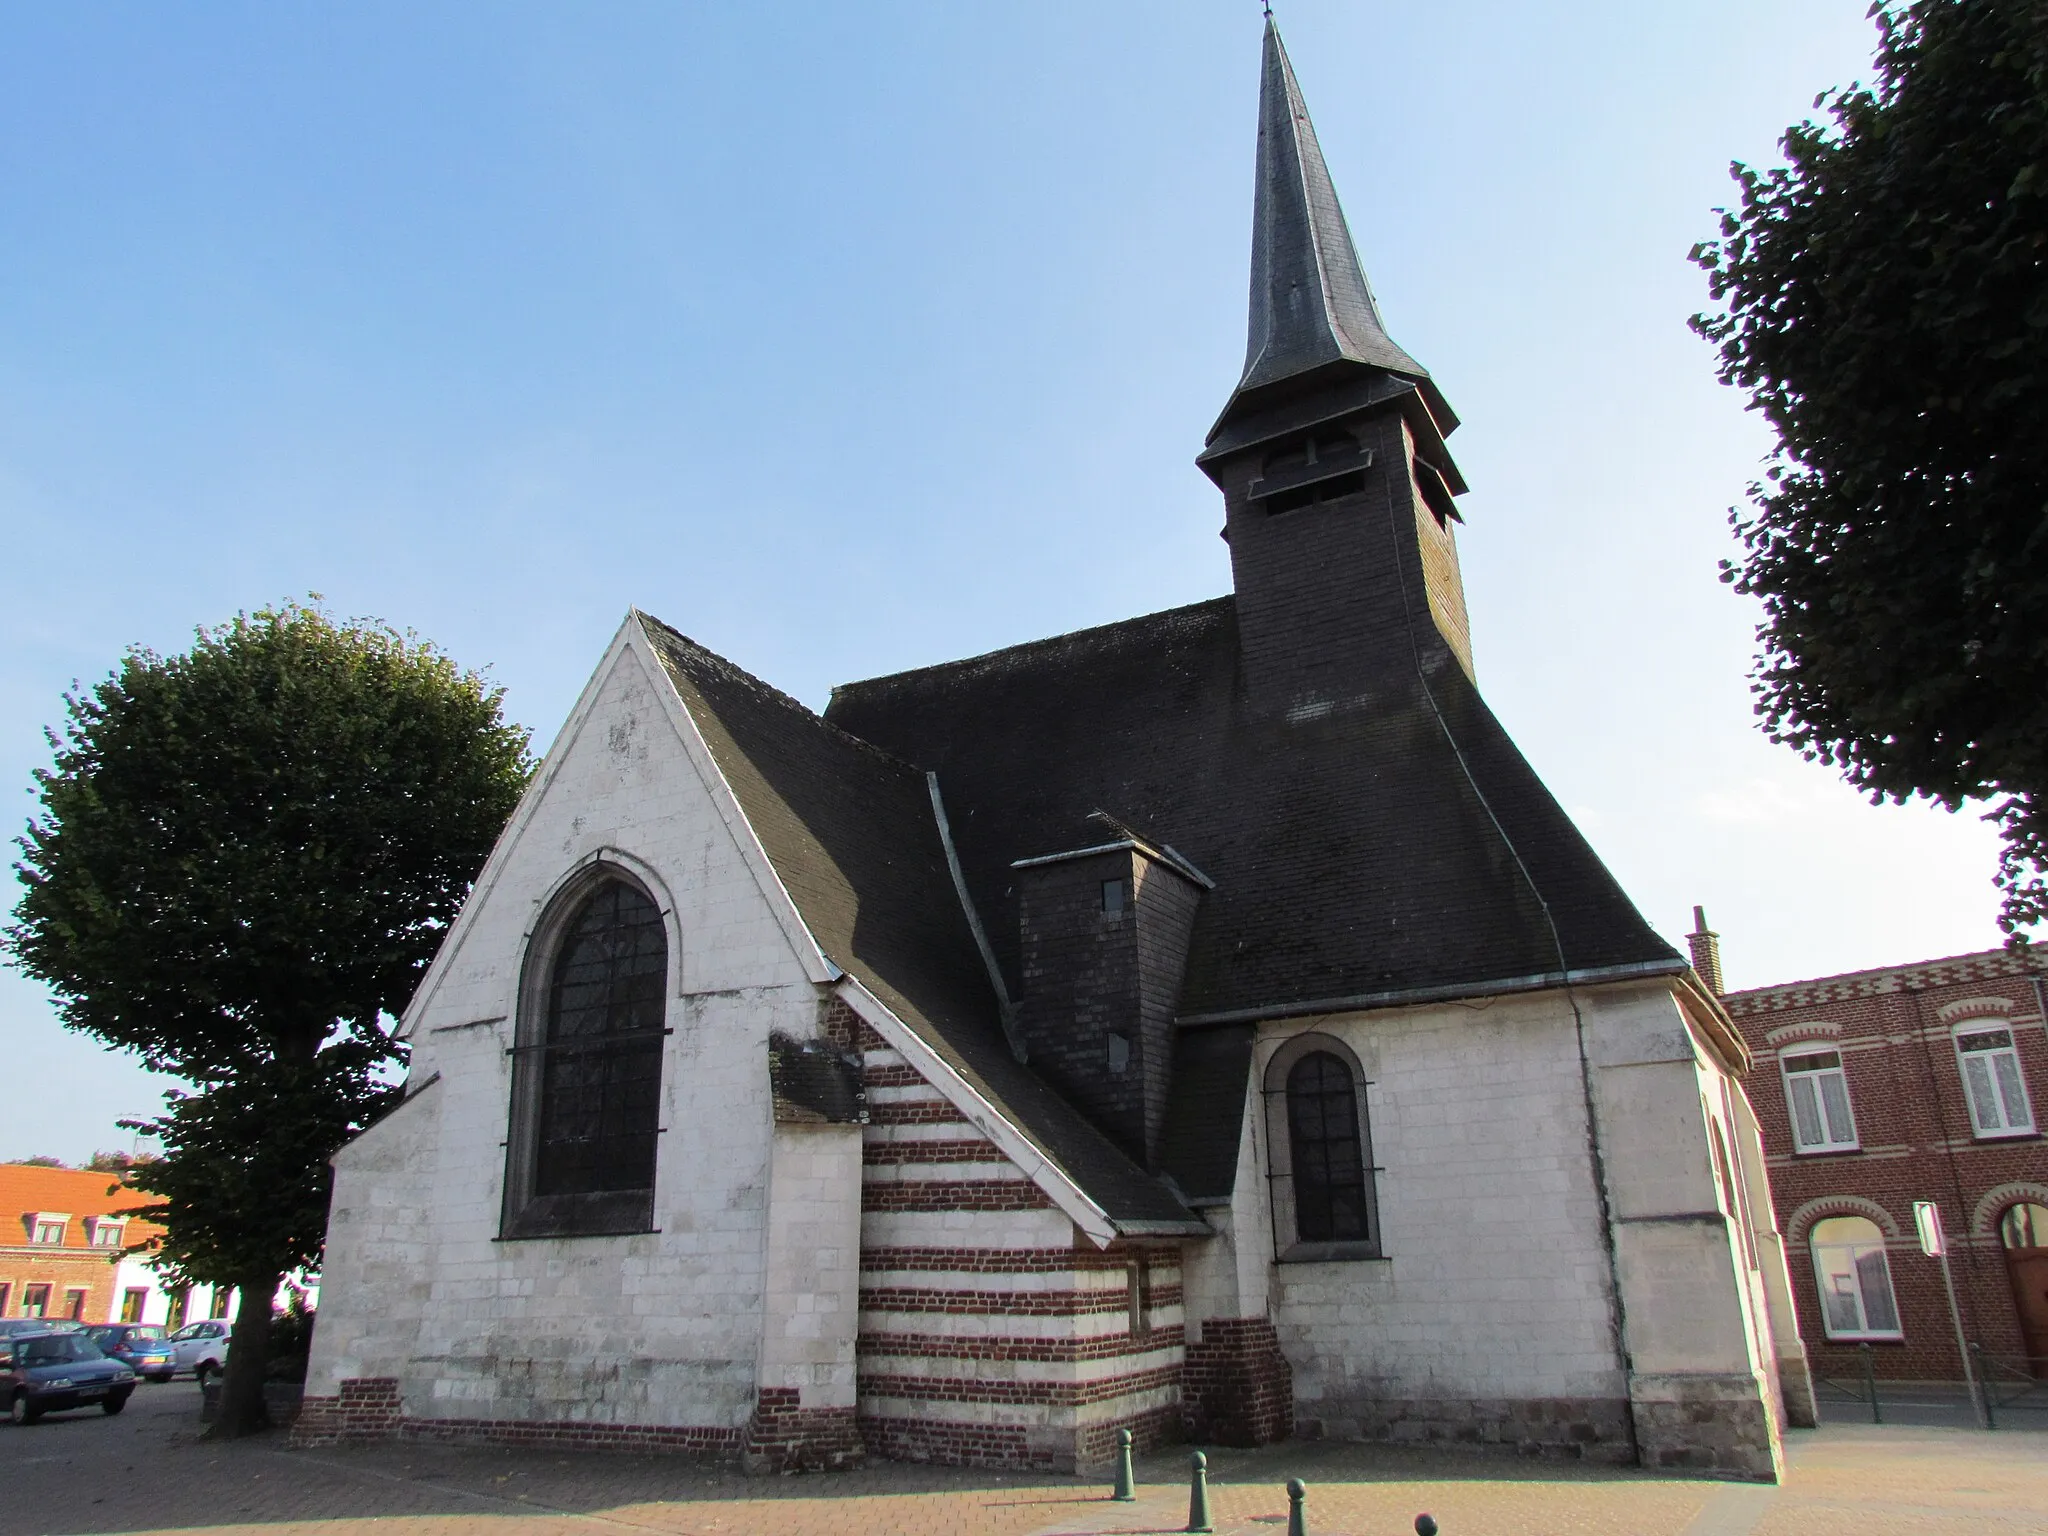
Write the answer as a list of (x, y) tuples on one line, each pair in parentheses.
[(1206, 1025)]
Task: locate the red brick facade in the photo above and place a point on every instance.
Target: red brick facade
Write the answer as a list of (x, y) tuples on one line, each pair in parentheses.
[(75, 1275), (1895, 1033)]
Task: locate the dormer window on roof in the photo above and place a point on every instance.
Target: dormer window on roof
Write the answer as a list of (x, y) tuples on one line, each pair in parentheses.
[(47, 1227), (104, 1231)]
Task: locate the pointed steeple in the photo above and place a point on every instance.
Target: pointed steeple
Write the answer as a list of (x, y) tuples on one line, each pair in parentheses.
[(1312, 312)]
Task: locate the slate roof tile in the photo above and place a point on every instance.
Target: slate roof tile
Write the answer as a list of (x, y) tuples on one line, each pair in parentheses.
[(850, 831)]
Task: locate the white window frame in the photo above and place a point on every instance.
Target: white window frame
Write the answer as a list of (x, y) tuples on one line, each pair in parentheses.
[(1823, 1114), (54, 1228), (106, 1232), (1996, 1092), (1845, 1285)]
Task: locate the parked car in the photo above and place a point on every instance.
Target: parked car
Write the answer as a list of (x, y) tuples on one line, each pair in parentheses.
[(142, 1347), (49, 1372), (201, 1348), (9, 1326)]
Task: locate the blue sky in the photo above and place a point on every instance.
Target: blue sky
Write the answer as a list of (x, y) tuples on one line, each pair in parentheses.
[(848, 338)]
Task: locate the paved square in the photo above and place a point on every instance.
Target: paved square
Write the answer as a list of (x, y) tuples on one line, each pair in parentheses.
[(148, 1471)]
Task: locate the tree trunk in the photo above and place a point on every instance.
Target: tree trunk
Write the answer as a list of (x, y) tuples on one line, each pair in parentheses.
[(242, 1411)]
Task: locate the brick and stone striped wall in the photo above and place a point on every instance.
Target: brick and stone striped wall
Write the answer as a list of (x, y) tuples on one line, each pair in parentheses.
[(991, 1332)]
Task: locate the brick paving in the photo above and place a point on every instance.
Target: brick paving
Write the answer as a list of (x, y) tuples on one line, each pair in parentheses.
[(149, 1472)]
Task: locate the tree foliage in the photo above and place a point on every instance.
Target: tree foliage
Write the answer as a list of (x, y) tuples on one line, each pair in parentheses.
[(245, 857), (1885, 304)]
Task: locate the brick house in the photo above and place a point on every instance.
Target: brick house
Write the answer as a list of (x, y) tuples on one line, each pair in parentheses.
[(1876, 1089), (63, 1247), (1207, 1024)]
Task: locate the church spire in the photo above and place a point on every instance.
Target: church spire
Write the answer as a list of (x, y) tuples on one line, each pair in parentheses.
[(1312, 312)]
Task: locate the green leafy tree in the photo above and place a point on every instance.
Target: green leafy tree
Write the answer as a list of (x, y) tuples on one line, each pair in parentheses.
[(1885, 304), (244, 859)]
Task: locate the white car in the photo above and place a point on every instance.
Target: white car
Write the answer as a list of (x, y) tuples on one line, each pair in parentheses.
[(201, 1348)]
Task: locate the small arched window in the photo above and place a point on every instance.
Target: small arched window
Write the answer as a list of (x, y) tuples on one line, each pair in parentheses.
[(1854, 1278), (1327, 1152), (587, 1084)]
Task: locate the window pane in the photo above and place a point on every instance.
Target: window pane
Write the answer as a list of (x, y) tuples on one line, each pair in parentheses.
[(2025, 1226), (1328, 1153), (1840, 1298), (1874, 1276), (1834, 1097), (2012, 1097), (1806, 1127), (601, 1071), (1983, 1100), (1854, 1278)]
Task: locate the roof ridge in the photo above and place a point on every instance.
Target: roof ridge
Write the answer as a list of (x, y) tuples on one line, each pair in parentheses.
[(778, 697), (1044, 643)]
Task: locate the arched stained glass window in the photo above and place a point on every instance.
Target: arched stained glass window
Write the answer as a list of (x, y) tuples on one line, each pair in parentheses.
[(600, 1067), (1328, 1153)]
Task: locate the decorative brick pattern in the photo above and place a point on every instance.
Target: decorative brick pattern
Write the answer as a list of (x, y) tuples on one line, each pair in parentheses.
[(1032, 1336), (992, 1303), (1238, 1388), (882, 1153), (1050, 1394), (954, 1195), (1000, 1350)]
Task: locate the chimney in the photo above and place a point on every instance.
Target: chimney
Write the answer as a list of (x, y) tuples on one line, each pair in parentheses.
[(1103, 937), (1706, 951)]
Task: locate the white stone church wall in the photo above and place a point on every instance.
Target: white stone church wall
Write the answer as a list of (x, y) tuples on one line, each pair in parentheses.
[(659, 1329), (1494, 1289)]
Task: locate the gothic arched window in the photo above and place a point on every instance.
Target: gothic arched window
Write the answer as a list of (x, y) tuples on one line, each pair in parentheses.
[(1325, 1202), (1328, 1154), (587, 1083)]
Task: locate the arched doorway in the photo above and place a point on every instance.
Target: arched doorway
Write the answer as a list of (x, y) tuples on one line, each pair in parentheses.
[(2024, 1231)]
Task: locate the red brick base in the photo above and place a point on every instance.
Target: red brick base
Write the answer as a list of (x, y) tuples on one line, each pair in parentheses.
[(1237, 1388), (369, 1408), (783, 1437)]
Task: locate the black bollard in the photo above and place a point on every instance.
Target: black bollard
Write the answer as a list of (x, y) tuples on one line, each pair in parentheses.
[(1297, 1517), (1198, 1494), (1126, 1484), (1424, 1526)]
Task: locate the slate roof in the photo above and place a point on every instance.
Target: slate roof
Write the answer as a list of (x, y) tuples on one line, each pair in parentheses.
[(1312, 309), (851, 833), (1352, 859)]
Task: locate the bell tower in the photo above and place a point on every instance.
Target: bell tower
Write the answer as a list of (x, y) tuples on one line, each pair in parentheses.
[(1339, 494)]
